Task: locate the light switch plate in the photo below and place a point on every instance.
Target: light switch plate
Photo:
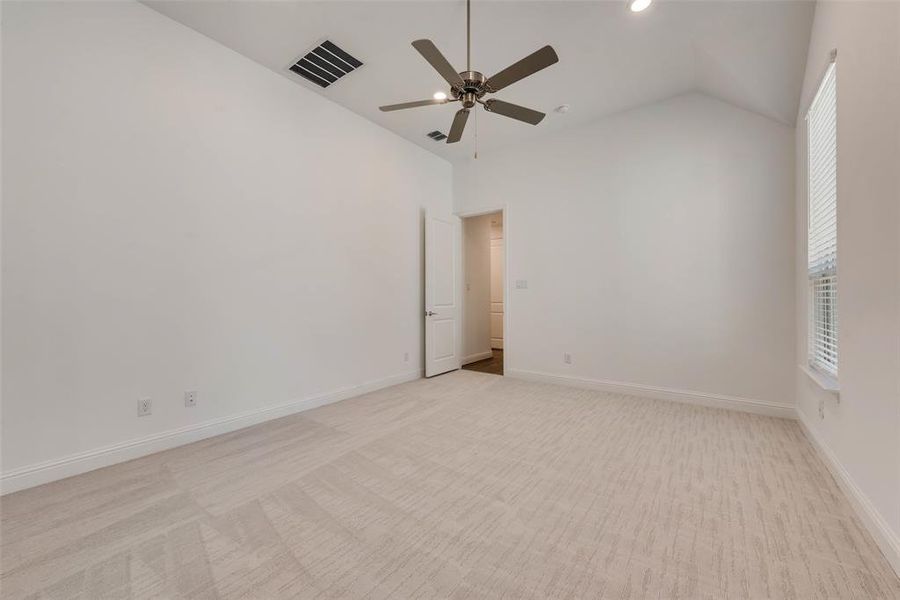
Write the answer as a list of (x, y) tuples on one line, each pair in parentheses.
[(521, 284)]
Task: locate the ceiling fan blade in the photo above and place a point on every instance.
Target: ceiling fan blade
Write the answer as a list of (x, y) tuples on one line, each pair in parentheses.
[(434, 57), (459, 123), (513, 111), (529, 65), (415, 104)]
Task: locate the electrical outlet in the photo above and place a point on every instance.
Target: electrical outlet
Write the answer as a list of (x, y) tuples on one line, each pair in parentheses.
[(821, 409), (406, 357), (144, 407), (567, 358), (190, 399)]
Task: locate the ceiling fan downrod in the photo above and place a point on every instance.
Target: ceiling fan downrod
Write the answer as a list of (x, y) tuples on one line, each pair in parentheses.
[(468, 35)]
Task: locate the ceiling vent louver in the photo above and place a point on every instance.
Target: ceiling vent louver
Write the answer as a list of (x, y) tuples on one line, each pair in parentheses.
[(325, 64), (436, 136)]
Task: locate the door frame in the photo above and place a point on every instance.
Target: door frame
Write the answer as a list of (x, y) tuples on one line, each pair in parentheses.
[(503, 209)]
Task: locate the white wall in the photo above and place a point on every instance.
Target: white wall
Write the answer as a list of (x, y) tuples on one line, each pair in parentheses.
[(861, 433), (477, 289), (656, 246), (178, 218)]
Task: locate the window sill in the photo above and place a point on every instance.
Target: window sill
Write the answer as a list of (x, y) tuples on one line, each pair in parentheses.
[(826, 382)]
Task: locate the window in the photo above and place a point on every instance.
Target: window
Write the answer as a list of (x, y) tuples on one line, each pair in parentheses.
[(821, 127)]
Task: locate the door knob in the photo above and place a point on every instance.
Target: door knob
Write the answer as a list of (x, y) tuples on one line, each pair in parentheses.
[(429, 313)]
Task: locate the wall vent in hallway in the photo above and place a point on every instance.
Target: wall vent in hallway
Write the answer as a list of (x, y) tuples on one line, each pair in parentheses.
[(325, 64)]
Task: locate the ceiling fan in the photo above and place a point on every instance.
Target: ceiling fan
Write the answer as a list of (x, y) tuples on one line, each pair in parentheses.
[(469, 87)]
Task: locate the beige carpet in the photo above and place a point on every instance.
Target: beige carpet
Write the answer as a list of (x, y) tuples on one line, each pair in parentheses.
[(463, 486)]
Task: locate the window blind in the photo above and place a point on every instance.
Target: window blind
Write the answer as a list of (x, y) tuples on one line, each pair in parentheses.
[(823, 348), (821, 128)]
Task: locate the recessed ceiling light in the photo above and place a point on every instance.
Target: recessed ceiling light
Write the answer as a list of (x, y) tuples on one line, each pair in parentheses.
[(638, 5), (440, 96)]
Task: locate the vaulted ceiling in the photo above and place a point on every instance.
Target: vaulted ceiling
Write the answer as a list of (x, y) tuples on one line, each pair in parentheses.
[(750, 53)]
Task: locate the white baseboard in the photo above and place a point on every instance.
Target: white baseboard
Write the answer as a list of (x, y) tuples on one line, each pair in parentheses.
[(887, 540), (760, 407), (75, 464), (476, 357)]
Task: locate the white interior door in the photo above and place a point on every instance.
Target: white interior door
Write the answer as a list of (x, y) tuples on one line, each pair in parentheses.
[(441, 297)]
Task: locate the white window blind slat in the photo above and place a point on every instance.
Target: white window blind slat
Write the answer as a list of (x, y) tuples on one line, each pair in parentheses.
[(821, 121)]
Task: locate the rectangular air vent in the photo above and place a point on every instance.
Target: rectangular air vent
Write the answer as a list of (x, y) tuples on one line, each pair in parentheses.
[(437, 136), (325, 64)]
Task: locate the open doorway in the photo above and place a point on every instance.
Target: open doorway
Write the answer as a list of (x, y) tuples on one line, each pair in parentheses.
[(483, 300)]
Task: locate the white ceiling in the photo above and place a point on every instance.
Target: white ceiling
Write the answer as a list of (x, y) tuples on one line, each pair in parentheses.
[(751, 53)]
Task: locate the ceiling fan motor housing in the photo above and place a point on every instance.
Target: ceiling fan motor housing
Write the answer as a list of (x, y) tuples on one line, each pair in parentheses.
[(474, 87)]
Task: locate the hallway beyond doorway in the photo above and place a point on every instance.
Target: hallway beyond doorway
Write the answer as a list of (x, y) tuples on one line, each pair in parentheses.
[(493, 365)]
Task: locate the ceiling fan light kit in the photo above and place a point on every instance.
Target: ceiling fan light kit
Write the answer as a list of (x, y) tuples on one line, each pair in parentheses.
[(638, 5), (469, 87)]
